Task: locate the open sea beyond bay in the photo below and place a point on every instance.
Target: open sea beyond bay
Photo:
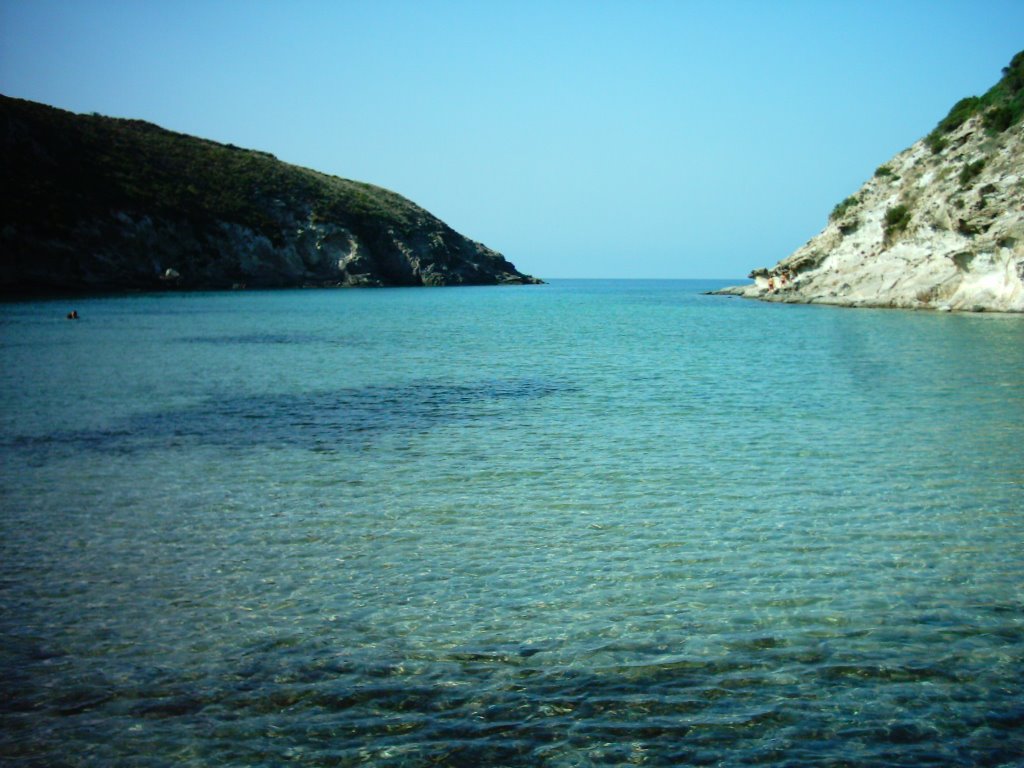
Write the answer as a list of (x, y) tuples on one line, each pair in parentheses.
[(586, 523)]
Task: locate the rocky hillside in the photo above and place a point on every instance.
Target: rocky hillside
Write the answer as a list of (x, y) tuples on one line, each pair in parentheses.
[(940, 226), (95, 203)]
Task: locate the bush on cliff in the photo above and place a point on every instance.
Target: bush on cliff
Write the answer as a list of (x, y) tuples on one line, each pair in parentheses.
[(843, 207), (896, 220), (1001, 106), (970, 172)]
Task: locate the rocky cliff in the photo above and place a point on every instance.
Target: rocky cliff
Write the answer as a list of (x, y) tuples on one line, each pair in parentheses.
[(95, 203), (940, 226)]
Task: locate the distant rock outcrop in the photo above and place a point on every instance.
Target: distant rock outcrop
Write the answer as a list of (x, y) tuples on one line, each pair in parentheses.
[(940, 226), (92, 203)]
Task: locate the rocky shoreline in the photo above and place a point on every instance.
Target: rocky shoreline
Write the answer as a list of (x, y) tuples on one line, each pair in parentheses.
[(98, 204), (940, 226)]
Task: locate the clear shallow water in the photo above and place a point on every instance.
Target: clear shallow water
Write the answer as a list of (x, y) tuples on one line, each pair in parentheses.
[(579, 524)]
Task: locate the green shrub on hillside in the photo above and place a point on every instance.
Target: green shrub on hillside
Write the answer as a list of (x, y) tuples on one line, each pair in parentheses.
[(896, 220), (970, 172), (998, 119), (843, 207), (97, 165), (883, 171), (1001, 106), (936, 143), (961, 112), (1005, 100)]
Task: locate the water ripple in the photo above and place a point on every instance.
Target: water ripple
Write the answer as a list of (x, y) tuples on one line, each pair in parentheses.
[(585, 525)]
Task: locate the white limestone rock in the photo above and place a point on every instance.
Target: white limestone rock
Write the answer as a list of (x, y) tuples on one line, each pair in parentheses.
[(962, 247)]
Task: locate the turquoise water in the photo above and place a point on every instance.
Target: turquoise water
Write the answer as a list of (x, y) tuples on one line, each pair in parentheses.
[(587, 523)]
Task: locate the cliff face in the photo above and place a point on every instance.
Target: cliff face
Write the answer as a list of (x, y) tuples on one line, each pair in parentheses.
[(94, 203), (940, 226)]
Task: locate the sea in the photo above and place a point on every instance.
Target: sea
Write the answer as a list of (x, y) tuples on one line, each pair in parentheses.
[(588, 523)]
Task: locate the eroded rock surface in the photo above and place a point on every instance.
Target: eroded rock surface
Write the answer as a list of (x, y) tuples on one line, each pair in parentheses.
[(940, 226), (95, 203)]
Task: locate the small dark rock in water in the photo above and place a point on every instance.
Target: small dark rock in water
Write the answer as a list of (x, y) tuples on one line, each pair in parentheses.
[(73, 314)]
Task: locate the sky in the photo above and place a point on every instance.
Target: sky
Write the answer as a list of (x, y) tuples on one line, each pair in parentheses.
[(601, 139)]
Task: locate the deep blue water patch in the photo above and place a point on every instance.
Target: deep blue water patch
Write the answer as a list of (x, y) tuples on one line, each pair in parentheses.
[(318, 421)]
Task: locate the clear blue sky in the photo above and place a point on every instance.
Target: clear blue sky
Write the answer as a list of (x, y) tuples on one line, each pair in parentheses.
[(581, 139)]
